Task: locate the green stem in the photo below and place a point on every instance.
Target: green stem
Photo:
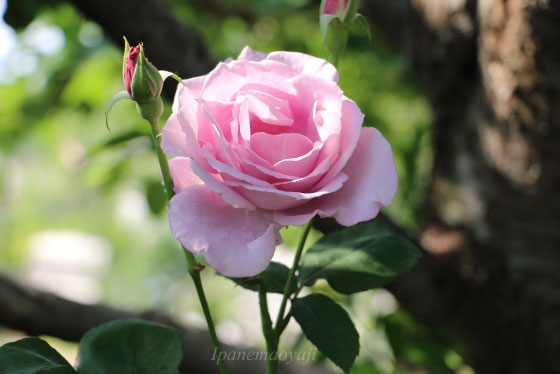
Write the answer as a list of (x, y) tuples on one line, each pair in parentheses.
[(334, 59), (192, 264), (279, 327), (269, 334)]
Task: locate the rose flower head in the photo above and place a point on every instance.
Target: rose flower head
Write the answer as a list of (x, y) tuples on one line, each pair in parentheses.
[(265, 141)]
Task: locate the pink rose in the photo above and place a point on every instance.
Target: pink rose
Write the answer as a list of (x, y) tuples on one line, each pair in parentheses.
[(264, 141)]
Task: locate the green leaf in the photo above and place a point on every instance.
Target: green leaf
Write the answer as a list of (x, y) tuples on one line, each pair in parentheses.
[(362, 21), (156, 196), (30, 356), (118, 97), (276, 276), (327, 325), (358, 258), (130, 346)]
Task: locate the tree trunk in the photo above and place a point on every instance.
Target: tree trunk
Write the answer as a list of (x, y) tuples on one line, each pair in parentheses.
[(491, 69)]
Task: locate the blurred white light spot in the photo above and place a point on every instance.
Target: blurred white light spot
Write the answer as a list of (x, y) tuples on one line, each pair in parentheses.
[(229, 332), (284, 255), (194, 319), (69, 263), (71, 153), (383, 302), (24, 63), (131, 207), (90, 35), (45, 39), (7, 34)]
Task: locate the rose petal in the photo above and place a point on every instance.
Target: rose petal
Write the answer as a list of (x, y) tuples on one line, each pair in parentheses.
[(299, 166), (273, 199), (182, 174), (269, 109), (372, 184), (315, 95), (256, 169), (218, 186), (306, 64), (306, 183), (227, 80), (251, 55), (300, 62), (352, 119), (174, 140), (232, 173), (235, 242), (275, 148)]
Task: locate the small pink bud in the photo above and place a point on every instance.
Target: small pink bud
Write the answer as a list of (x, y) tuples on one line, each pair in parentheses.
[(143, 82), (335, 7), (131, 60)]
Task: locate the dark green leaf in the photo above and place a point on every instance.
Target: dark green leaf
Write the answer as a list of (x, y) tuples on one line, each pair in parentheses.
[(30, 356), (156, 196), (358, 258), (276, 275), (130, 346), (327, 325), (362, 21)]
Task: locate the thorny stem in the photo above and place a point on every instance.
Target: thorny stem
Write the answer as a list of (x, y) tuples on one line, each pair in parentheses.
[(279, 327), (268, 330), (194, 268)]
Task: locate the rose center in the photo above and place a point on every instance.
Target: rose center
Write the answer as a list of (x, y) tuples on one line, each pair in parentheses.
[(267, 113)]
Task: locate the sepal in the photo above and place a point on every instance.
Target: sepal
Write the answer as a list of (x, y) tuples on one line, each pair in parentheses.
[(118, 97)]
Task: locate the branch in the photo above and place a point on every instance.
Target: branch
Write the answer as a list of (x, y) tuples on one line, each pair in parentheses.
[(172, 45), (42, 313)]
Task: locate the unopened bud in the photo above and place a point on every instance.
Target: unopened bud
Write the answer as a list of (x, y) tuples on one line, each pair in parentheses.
[(142, 80)]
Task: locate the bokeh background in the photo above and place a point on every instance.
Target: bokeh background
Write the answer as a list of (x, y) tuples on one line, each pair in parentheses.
[(82, 213)]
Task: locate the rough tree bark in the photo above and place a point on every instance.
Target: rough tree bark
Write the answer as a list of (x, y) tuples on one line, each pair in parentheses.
[(491, 69)]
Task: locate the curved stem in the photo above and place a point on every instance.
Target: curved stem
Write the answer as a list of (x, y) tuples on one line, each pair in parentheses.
[(269, 334), (291, 279), (194, 269)]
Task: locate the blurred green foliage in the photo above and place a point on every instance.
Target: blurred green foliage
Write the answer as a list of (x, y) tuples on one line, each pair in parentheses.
[(60, 169)]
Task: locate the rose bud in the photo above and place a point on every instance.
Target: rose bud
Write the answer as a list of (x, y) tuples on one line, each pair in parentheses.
[(143, 83), (336, 17), (142, 80), (335, 7)]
